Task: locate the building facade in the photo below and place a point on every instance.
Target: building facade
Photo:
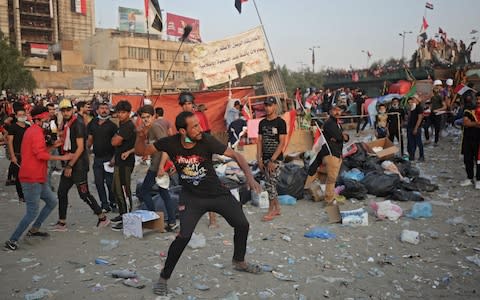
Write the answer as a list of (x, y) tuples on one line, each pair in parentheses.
[(123, 51), (34, 26)]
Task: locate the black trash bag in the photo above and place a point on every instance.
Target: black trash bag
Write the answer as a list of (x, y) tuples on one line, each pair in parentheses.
[(380, 184), (424, 185), (403, 195), (357, 159), (371, 164), (406, 169), (354, 189), (292, 180)]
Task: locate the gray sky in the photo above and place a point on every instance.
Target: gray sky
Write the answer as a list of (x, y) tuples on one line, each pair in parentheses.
[(342, 28)]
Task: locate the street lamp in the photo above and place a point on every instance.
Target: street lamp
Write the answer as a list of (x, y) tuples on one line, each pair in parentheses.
[(403, 35), (313, 56), (368, 57)]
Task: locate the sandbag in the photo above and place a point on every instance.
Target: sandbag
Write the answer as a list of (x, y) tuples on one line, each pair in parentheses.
[(403, 195), (380, 184), (354, 189), (292, 180)]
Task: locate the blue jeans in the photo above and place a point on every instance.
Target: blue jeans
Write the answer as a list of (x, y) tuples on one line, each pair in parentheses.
[(414, 141), (33, 193), (103, 178), (146, 197)]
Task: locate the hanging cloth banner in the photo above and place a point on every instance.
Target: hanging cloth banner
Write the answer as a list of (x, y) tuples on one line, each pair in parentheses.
[(216, 62)]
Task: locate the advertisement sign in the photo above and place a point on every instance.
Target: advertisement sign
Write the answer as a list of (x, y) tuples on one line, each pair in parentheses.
[(176, 23), (220, 61), (131, 20)]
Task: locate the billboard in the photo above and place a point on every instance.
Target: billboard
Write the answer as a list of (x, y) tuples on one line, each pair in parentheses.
[(131, 20), (176, 23), (217, 62)]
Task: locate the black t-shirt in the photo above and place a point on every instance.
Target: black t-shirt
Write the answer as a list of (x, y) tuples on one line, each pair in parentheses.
[(270, 130), (127, 132), (194, 166), (102, 136), (413, 116), (359, 100), (333, 132), (393, 119), (437, 102), (79, 130), (17, 131), (471, 134)]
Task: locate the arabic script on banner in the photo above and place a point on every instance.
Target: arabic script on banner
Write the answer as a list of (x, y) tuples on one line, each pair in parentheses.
[(215, 62)]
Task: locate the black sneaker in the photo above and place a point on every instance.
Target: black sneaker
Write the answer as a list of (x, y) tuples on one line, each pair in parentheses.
[(117, 219), (118, 227), (38, 233), (171, 227), (11, 245), (113, 209)]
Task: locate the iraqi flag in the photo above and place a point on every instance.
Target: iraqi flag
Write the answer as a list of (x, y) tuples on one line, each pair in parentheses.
[(156, 19), (246, 112), (461, 89), (429, 5), (238, 5), (424, 25)]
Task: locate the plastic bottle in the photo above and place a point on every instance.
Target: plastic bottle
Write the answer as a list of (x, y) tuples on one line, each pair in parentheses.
[(101, 261), (123, 274)]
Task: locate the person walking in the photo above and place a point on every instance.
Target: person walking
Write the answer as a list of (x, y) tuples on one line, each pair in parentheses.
[(438, 108), (76, 170), (123, 141), (14, 139), (272, 132), (470, 143), (396, 116), (414, 132), (33, 177), (100, 133), (202, 191)]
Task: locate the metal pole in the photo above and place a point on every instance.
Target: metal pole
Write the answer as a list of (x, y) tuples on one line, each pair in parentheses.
[(313, 59), (149, 58), (403, 46)]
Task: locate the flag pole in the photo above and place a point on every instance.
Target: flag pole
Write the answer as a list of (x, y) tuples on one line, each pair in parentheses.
[(149, 54)]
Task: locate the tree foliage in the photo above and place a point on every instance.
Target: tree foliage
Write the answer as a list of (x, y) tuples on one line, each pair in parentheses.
[(13, 75), (302, 80)]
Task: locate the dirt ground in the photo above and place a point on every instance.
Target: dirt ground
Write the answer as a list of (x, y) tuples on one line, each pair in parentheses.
[(367, 262)]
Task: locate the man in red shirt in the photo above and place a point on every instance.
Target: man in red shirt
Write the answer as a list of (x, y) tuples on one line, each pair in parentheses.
[(33, 177)]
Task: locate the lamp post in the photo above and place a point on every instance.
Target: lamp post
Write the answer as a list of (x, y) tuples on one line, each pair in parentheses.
[(403, 35), (313, 56), (368, 57)]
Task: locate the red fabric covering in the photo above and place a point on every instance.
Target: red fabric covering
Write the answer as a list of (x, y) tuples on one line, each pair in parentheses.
[(401, 87), (215, 101)]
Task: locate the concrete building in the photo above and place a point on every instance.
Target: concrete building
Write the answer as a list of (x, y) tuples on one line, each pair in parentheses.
[(122, 51), (35, 27)]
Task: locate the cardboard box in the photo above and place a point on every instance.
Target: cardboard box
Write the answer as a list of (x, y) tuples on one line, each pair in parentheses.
[(135, 222), (389, 149)]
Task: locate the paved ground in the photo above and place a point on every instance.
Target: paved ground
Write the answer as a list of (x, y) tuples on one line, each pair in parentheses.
[(361, 263)]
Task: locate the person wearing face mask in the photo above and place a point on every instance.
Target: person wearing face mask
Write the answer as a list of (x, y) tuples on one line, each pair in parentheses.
[(100, 132), (396, 116), (33, 177), (414, 131), (14, 139)]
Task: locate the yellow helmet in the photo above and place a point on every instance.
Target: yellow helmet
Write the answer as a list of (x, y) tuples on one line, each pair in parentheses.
[(65, 103)]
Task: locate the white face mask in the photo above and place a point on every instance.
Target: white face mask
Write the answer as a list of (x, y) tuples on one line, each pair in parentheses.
[(395, 105), (413, 106), (22, 119)]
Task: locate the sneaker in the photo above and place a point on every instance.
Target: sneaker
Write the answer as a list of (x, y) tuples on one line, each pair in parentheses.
[(59, 227), (38, 233), (113, 209), (171, 227), (466, 182), (117, 227), (103, 223), (117, 219), (11, 245), (421, 159), (477, 185)]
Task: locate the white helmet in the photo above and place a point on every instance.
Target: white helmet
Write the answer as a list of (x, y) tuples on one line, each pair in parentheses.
[(449, 81), (437, 82)]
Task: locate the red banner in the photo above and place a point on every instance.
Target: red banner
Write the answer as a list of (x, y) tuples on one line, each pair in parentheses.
[(176, 23)]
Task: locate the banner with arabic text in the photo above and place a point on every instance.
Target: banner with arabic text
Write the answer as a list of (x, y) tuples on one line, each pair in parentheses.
[(220, 61)]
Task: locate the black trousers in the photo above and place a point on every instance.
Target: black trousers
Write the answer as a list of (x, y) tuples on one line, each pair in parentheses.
[(191, 212), (78, 178), (15, 169), (359, 121), (470, 152), (437, 123)]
